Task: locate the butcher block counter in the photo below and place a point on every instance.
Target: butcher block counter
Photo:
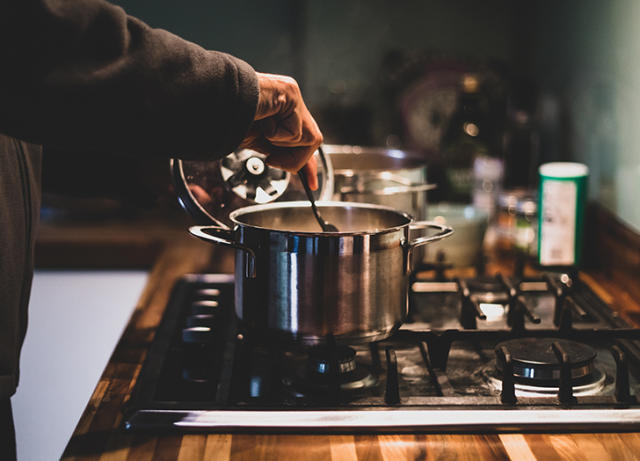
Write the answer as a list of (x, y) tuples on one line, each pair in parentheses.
[(170, 252)]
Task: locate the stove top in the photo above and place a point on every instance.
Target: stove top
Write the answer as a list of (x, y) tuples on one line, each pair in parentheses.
[(475, 354)]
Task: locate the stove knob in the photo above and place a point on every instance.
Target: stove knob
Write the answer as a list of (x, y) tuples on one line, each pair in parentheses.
[(196, 335), (207, 293), (200, 320), (204, 307)]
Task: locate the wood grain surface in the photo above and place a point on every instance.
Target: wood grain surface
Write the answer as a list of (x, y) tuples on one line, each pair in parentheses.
[(99, 436)]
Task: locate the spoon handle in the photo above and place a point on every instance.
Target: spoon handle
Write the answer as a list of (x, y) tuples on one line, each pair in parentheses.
[(310, 197)]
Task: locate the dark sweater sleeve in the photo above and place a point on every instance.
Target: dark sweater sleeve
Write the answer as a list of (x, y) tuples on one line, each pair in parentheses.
[(82, 75)]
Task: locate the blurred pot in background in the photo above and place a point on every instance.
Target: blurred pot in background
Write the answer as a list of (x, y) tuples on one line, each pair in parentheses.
[(390, 177)]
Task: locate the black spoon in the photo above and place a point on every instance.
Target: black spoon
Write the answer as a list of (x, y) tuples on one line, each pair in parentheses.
[(326, 226)]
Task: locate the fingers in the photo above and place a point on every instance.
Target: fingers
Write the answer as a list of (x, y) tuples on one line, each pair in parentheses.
[(284, 129), (288, 159), (311, 171)]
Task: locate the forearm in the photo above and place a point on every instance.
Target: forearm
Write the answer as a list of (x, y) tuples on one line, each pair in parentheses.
[(83, 75)]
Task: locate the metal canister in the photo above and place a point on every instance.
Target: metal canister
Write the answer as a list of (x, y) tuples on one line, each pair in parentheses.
[(562, 199)]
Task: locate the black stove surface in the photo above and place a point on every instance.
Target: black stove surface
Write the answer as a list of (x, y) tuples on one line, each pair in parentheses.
[(475, 354)]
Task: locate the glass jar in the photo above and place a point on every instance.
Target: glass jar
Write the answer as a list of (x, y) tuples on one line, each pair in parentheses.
[(516, 220), (526, 225)]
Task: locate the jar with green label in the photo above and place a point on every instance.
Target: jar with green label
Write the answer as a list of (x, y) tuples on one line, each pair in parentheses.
[(561, 208)]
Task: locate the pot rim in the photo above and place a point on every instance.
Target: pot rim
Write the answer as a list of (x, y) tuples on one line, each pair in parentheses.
[(415, 161), (234, 215)]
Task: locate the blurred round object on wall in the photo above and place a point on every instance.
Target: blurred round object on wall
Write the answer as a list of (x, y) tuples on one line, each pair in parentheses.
[(464, 247), (427, 107)]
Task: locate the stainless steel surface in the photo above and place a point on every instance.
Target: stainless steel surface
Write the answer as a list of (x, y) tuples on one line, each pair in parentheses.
[(326, 226), (390, 177), (373, 158), (224, 236), (346, 191), (439, 420), (310, 285), (297, 218)]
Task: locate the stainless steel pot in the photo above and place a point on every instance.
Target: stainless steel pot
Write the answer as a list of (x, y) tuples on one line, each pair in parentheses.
[(296, 281), (390, 177)]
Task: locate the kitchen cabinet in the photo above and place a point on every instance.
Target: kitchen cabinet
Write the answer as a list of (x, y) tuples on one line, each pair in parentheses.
[(75, 320)]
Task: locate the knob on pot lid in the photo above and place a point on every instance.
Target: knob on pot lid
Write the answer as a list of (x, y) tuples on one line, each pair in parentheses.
[(211, 189)]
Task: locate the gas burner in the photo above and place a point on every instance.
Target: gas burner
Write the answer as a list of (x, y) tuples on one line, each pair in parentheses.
[(321, 358), (491, 297), (535, 362), (327, 368), (485, 284), (594, 387), (203, 366)]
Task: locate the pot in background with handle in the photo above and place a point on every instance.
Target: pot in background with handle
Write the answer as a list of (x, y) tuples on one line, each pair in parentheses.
[(294, 281), (390, 177)]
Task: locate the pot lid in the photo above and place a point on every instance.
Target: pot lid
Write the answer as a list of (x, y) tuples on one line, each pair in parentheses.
[(211, 189)]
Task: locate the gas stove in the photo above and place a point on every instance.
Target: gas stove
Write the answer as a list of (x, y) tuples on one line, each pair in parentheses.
[(475, 354)]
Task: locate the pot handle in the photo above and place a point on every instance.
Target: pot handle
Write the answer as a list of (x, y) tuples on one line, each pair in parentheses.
[(444, 231), (223, 236)]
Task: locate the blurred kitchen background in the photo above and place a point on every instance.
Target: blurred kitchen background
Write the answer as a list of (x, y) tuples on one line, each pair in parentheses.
[(556, 80)]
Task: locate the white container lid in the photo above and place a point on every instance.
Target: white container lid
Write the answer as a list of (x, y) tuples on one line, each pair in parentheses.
[(564, 170)]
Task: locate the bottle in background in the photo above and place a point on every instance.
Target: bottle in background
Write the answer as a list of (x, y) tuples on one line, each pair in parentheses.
[(487, 183), (520, 139), (464, 141)]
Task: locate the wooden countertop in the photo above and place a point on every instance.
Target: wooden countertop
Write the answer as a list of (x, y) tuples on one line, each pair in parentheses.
[(98, 435)]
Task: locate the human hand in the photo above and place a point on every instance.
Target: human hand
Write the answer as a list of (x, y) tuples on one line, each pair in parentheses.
[(283, 129)]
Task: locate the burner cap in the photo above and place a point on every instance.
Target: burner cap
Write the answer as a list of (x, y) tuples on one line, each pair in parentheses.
[(318, 376), (535, 362), (321, 358)]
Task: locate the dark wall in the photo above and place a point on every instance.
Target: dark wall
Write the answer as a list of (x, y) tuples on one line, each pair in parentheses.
[(337, 49), (259, 32), (586, 62)]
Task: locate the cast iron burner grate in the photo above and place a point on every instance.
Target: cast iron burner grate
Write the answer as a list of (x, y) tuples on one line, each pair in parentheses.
[(492, 354)]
